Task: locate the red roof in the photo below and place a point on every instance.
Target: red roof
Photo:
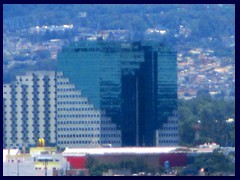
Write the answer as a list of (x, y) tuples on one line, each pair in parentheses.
[(175, 159), (77, 162)]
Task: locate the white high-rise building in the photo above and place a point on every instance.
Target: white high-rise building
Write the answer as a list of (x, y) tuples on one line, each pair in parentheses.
[(79, 123), (29, 110), (45, 105), (168, 135)]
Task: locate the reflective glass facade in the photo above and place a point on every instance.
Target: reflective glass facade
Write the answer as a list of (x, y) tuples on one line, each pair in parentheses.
[(134, 82)]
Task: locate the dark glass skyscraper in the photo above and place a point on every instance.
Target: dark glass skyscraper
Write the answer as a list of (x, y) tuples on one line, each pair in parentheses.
[(134, 82)]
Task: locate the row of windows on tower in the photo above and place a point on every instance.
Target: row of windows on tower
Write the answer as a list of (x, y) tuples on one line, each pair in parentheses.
[(169, 141), (80, 122), (65, 89), (17, 139), (89, 142), (62, 83), (76, 109), (27, 92), (89, 129), (79, 129), (25, 106), (46, 112), (72, 102), (36, 100), (26, 86), (38, 79), (25, 131), (69, 96), (168, 134), (14, 146), (87, 135), (170, 128), (14, 125), (79, 115), (86, 122)]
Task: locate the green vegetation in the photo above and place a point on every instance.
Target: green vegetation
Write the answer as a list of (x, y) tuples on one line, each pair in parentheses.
[(202, 20), (135, 166), (21, 69), (214, 164), (209, 25), (212, 114)]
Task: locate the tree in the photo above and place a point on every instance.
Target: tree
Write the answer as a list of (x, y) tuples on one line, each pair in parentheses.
[(212, 114), (215, 162)]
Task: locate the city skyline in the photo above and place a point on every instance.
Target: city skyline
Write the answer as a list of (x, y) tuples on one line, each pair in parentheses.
[(45, 105), (132, 61), (134, 82), (119, 89)]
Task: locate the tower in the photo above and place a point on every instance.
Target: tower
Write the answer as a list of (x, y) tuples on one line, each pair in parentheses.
[(44, 104), (135, 83)]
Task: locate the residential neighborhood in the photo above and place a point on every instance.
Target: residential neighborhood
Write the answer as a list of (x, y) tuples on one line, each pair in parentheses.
[(198, 68)]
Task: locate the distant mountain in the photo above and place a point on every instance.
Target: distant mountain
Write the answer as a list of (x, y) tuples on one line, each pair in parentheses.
[(204, 25), (207, 26), (204, 20)]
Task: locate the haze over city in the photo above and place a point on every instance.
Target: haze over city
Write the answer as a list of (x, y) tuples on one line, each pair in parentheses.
[(106, 90)]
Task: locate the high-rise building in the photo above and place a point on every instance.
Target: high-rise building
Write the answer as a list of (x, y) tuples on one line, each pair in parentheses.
[(29, 110), (168, 134), (79, 124), (46, 105), (134, 82)]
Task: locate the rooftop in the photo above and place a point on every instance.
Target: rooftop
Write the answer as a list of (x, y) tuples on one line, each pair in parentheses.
[(117, 150)]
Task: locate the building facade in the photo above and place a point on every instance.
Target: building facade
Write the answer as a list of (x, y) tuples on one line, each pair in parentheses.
[(168, 135), (79, 123), (29, 110), (45, 105), (134, 82)]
